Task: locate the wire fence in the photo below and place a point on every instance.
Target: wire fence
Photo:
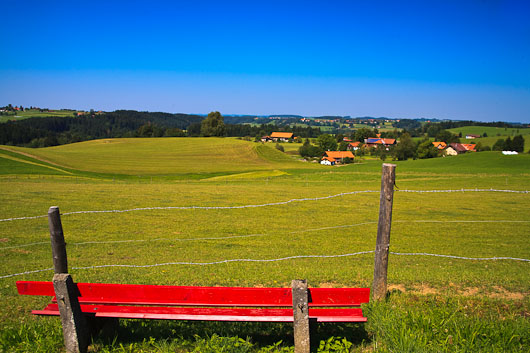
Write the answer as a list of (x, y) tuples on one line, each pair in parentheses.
[(261, 205), (270, 260), (96, 242), (225, 261)]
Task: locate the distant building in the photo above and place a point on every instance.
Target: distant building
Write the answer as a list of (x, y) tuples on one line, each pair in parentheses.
[(471, 136), (440, 145), (281, 136), (354, 146), (463, 147), (338, 156), (377, 141)]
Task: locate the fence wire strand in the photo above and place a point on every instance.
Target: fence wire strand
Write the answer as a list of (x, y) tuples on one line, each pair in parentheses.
[(271, 260), (261, 205), (94, 242)]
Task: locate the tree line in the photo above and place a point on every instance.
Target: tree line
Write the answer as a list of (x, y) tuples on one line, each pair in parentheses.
[(52, 131)]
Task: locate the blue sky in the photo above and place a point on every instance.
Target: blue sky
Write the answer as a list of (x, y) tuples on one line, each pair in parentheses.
[(401, 59)]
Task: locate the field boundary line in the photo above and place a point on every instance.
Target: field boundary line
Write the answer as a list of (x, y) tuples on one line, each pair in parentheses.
[(272, 260), (261, 205), (91, 242)]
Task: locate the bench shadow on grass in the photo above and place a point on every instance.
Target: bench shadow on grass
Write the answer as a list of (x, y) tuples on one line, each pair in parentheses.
[(259, 334)]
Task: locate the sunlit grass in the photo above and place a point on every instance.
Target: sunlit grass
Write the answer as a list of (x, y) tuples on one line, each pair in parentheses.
[(334, 226)]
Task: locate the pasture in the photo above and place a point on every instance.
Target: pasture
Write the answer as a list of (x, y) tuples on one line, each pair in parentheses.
[(493, 134), (435, 303), (34, 113)]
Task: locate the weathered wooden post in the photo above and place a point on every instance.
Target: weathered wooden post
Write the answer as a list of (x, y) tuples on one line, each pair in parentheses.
[(302, 341), (75, 332), (388, 179)]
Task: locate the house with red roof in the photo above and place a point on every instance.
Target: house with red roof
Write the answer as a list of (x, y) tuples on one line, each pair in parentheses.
[(440, 145), (281, 136), (337, 156), (354, 146), (372, 142)]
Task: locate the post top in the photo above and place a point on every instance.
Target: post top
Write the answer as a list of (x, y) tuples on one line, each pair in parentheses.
[(389, 165)]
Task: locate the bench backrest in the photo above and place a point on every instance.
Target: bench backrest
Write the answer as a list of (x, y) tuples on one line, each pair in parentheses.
[(99, 293)]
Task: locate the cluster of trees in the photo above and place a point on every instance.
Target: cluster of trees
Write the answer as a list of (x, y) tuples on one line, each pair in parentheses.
[(52, 131), (324, 142), (517, 144)]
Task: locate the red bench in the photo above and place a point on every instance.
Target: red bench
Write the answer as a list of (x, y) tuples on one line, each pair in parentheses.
[(130, 301)]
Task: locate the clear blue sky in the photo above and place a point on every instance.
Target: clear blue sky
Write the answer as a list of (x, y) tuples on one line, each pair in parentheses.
[(402, 59)]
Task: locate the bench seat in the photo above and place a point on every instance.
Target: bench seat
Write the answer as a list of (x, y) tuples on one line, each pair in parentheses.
[(132, 301), (209, 314)]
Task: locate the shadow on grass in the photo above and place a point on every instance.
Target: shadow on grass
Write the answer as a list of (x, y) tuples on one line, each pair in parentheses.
[(260, 334)]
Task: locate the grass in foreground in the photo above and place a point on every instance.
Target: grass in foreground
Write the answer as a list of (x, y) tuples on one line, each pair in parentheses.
[(437, 304)]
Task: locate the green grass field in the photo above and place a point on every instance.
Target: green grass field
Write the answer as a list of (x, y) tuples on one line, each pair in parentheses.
[(434, 304), (34, 113), (493, 134)]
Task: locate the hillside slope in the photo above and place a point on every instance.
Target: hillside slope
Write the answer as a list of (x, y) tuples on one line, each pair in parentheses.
[(162, 156)]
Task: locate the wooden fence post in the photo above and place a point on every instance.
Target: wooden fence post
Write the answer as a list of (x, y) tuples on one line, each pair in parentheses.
[(60, 262), (388, 179), (75, 331), (302, 341)]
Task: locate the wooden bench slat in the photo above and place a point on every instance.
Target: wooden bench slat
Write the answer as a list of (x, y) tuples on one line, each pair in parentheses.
[(210, 314), (201, 296)]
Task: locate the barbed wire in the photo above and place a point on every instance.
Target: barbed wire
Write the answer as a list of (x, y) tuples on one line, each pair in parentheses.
[(92, 242), (271, 260), (260, 205)]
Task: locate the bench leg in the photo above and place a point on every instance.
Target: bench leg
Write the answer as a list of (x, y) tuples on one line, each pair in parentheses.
[(302, 340), (75, 331)]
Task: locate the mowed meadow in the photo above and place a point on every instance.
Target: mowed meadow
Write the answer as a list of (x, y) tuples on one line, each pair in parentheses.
[(227, 212)]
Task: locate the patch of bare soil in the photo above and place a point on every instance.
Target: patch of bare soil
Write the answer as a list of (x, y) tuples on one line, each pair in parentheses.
[(496, 292), (399, 287), (504, 294), (329, 285)]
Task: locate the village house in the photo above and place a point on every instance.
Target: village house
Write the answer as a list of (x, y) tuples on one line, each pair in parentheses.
[(328, 161), (463, 147), (450, 151), (373, 142), (281, 136), (354, 146), (337, 156), (471, 136), (440, 145)]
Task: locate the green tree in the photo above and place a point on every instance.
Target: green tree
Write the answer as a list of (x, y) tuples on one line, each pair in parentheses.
[(213, 125), (405, 149), (498, 145), (426, 149), (447, 137), (327, 142), (518, 143), (363, 133), (343, 145), (279, 147), (508, 144)]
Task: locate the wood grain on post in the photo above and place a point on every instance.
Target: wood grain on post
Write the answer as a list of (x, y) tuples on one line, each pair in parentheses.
[(302, 341), (60, 262), (75, 331), (382, 246)]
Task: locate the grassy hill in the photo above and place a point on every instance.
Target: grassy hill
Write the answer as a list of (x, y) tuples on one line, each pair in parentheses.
[(165, 156), (493, 134), (434, 303)]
